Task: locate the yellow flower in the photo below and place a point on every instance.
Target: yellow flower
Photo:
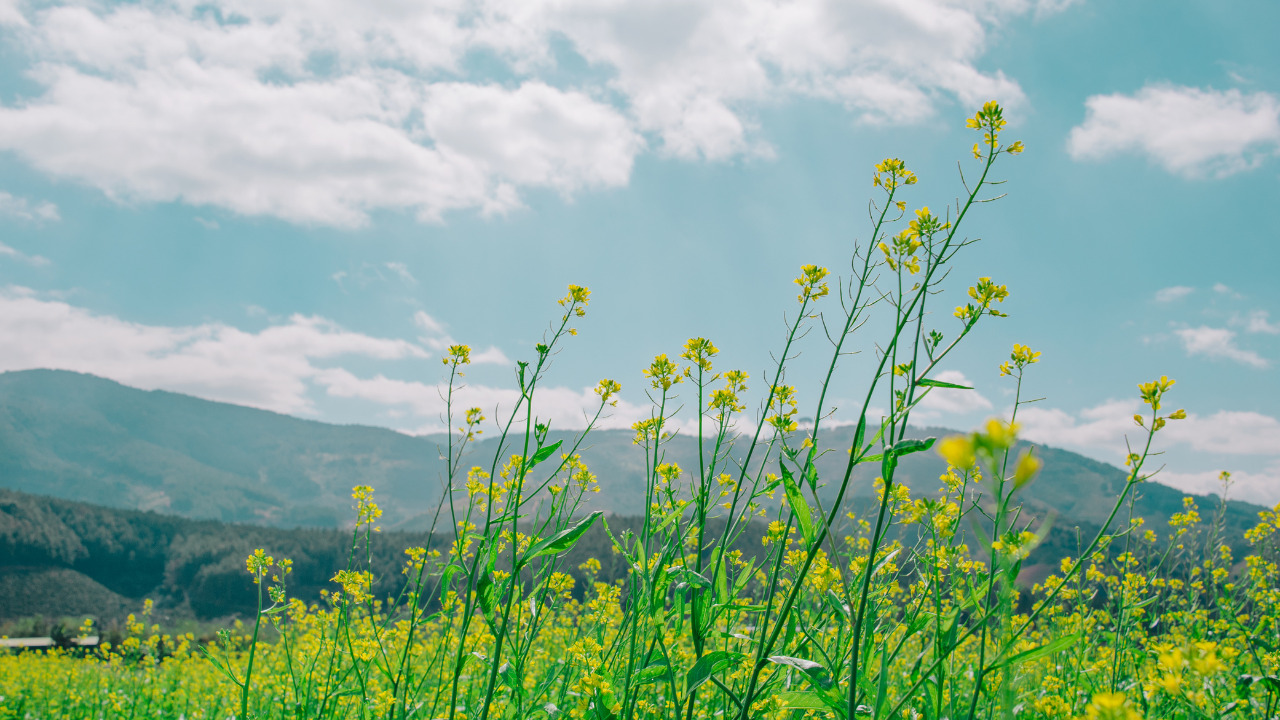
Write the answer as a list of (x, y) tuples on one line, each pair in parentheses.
[(958, 451), (1111, 706), (367, 511), (258, 564), (1028, 466), (662, 373), (1000, 435), (1152, 392), (894, 173), (811, 283), (606, 389), (355, 584), (699, 351), (577, 299), (457, 355)]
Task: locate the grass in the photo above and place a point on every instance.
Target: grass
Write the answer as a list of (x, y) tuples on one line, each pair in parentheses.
[(912, 610)]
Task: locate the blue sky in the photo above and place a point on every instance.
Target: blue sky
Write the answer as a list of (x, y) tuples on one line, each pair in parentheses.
[(296, 205)]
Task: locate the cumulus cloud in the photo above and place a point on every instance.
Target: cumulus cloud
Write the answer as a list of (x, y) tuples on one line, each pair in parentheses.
[(1177, 292), (1104, 426), (1100, 431), (272, 369), (1218, 343), (281, 368), (324, 113), (1185, 130), (1259, 487), (24, 209), (11, 14)]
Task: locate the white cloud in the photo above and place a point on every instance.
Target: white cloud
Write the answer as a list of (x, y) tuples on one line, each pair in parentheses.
[(1188, 131), (1223, 289), (11, 13), (1229, 432), (24, 209), (1104, 426), (535, 135), (1259, 321), (941, 402), (272, 369), (1100, 431), (6, 251), (1258, 487), (427, 323), (438, 339), (280, 368), (1177, 292), (1218, 343), (402, 271), (1099, 428), (321, 112)]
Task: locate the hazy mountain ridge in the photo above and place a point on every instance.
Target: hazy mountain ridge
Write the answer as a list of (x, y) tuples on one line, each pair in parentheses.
[(110, 456), (84, 438)]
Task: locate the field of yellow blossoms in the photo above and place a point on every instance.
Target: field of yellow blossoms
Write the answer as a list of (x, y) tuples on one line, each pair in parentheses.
[(916, 608)]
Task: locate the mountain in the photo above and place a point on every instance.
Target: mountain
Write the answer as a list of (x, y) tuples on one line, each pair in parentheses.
[(84, 438)]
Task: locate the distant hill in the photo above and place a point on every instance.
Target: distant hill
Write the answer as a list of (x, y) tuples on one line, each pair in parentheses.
[(84, 438)]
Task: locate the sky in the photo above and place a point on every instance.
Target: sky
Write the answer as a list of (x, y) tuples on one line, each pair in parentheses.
[(297, 205)]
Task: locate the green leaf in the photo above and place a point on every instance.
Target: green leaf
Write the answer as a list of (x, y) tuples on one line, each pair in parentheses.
[(653, 672), (825, 688), (837, 603), (720, 573), (543, 454), (912, 445), (682, 574), (799, 506), (795, 700), (884, 561), (816, 672), (1245, 681), (561, 541), (710, 664), (926, 382), (1035, 653), (484, 592)]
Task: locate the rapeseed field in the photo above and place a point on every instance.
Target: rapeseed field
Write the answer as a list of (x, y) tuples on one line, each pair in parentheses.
[(918, 609)]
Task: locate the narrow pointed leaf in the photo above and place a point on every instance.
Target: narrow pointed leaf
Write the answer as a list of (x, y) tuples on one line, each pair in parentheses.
[(561, 541), (926, 382), (543, 454), (799, 505), (1035, 653)]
